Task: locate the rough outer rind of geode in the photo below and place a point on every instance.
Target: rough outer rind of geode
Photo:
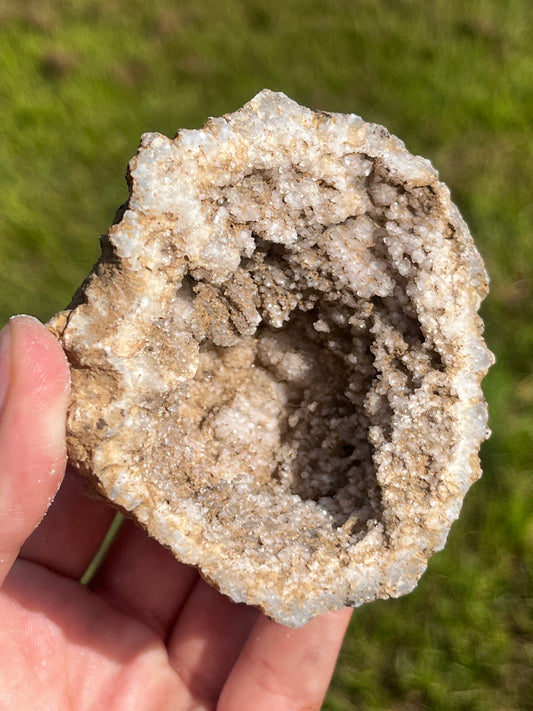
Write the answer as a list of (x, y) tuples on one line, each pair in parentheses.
[(276, 362)]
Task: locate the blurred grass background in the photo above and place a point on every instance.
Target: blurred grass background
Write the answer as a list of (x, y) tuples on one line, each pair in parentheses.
[(80, 80)]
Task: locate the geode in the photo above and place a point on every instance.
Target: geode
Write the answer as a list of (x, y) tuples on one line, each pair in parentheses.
[(276, 362)]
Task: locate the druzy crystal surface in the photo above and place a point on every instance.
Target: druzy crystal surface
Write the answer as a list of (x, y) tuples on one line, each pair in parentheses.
[(276, 362)]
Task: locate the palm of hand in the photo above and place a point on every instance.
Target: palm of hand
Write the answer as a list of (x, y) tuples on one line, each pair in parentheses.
[(62, 648), (148, 633)]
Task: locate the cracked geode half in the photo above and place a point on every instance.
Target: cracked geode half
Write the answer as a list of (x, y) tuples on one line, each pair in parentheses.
[(276, 362)]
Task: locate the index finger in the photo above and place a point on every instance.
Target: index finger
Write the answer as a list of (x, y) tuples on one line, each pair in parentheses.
[(282, 669)]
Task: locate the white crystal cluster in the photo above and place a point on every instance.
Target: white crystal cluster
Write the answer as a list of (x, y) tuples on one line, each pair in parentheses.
[(277, 360)]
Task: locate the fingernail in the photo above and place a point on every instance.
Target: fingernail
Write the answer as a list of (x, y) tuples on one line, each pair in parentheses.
[(5, 363)]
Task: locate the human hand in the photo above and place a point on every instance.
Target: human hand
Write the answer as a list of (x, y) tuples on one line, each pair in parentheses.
[(148, 633)]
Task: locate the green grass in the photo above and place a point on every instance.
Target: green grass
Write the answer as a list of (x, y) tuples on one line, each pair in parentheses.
[(80, 80)]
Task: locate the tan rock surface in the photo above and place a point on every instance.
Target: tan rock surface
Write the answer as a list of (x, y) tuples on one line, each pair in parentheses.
[(276, 362)]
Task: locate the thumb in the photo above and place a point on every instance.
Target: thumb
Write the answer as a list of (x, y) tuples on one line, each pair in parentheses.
[(34, 391)]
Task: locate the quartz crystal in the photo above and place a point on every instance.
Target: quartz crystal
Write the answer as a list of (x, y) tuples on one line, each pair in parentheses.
[(276, 362)]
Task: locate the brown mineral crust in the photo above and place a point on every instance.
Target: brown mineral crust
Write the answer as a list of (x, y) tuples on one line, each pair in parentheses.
[(277, 360)]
